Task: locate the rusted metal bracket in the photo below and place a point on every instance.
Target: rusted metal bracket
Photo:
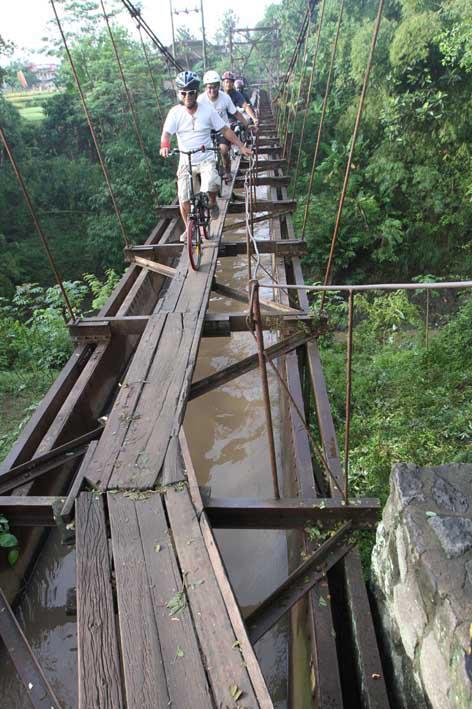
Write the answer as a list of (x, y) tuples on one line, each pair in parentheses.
[(21, 474), (298, 584), (233, 371)]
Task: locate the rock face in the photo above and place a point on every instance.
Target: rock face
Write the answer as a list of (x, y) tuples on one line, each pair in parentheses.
[(422, 584)]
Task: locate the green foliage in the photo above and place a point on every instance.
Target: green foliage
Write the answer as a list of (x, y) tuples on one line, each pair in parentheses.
[(411, 402), (8, 541)]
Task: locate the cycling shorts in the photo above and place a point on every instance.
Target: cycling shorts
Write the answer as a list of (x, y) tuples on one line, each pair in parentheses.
[(209, 179)]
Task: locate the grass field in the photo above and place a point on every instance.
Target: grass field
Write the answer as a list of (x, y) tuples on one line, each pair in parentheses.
[(30, 104)]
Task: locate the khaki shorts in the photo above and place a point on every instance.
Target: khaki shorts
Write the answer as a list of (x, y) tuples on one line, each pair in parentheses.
[(209, 178)]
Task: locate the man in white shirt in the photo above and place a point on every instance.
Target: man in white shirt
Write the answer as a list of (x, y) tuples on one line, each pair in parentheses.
[(225, 108), (193, 123)]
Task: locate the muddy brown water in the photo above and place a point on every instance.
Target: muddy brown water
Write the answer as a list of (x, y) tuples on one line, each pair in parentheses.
[(228, 442)]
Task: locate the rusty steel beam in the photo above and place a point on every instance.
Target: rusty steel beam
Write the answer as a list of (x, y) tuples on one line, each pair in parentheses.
[(39, 691), (300, 581), (290, 513)]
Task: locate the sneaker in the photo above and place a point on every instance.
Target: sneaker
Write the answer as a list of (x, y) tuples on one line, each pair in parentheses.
[(214, 211), (183, 237)]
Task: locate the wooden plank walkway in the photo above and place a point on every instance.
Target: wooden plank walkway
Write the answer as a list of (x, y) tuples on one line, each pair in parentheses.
[(177, 640)]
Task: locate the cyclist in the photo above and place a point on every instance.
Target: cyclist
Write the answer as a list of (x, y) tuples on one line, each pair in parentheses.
[(236, 96), (192, 123), (240, 86), (224, 106)]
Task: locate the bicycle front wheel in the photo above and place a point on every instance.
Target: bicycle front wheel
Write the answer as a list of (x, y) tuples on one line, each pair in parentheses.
[(194, 244)]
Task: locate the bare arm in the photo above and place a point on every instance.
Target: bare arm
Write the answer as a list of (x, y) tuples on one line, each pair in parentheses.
[(241, 119), (233, 138), (165, 144), (248, 108)]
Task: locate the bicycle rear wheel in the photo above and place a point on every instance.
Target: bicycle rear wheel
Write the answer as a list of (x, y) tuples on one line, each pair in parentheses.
[(194, 244)]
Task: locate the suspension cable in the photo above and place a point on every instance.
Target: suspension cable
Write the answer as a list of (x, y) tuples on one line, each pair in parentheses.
[(295, 106), (130, 101), (323, 114), (136, 14), (92, 131), (37, 225), (292, 108), (353, 145), (308, 94), (151, 73)]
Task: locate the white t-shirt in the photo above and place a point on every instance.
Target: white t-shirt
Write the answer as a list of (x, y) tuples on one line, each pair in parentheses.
[(223, 105), (193, 130)]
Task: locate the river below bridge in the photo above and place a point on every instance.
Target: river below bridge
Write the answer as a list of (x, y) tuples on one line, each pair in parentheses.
[(228, 443)]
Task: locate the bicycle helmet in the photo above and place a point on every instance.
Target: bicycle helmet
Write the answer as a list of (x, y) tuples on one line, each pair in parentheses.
[(228, 75), (239, 84), (187, 80), (211, 77)]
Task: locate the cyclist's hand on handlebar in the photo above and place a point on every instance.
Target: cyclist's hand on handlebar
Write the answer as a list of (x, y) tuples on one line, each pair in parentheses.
[(164, 152), (246, 151)]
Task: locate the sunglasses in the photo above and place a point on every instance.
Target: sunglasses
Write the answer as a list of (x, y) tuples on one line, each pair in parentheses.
[(192, 92), (213, 87)]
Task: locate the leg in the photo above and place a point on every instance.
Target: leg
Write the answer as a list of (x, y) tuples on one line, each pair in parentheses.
[(224, 149), (184, 211), (210, 184), (183, 190)]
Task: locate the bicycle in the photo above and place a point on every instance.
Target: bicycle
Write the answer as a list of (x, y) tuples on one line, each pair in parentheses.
[(199, 216)]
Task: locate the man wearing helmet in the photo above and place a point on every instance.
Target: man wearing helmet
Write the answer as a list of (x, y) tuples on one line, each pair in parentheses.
[(192, 123), (237, 97), (225, 108), (239, 86)]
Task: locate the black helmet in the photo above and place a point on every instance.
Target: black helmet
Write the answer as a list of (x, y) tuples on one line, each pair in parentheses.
[(187, 80)]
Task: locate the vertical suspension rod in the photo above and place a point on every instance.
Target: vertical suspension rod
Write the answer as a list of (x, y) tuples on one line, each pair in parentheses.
[(91, 128), (348, 395), (308, 94), (37, 225), (256, 315), (322, 118), (151, 73), (134, 116), (353, 146)]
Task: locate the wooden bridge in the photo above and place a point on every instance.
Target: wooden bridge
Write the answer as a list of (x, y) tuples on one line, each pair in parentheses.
[(157, 620)]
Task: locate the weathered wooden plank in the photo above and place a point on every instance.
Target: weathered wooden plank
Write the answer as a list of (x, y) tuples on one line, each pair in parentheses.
[(233, 371), (266, 180), (300, 581), (223, 324), (116, 428), (38, 689), (224, 584), (280, 247), (164, 251), (267, 164), (152, 265), (225, 664), (161, 658), (99, 676), (139, 463), (97, 329), (264, 205), (290, 513)]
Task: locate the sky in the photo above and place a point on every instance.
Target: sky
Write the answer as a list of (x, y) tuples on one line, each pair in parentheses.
[(25, 21)]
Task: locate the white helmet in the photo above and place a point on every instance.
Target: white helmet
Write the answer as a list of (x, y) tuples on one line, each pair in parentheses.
[(211, 77)]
